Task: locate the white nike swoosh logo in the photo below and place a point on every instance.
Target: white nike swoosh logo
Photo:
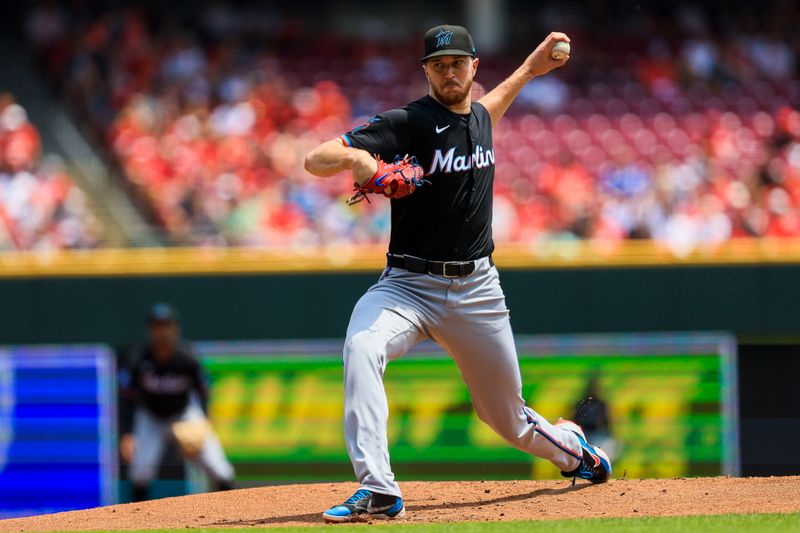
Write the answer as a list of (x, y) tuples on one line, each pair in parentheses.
[(440, 130)]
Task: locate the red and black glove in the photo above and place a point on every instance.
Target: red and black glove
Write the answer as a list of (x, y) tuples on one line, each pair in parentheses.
[(393, 180)]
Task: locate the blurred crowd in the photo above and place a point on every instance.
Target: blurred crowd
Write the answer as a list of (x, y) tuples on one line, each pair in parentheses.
[(40, 206), (680, 124)]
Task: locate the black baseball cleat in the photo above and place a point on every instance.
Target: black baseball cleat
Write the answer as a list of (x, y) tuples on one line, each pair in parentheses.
[(365, 503), (595, 466)]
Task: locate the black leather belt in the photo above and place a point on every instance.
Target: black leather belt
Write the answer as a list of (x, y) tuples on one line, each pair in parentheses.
[(448, 269)]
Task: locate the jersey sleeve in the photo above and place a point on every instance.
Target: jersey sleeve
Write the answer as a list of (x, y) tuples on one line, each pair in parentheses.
[(385, 134)]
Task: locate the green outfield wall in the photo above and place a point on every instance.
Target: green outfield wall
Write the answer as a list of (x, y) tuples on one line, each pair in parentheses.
[(748, 300), (670, 398)]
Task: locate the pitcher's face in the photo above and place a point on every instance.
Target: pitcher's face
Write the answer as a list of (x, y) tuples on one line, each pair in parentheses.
[(450, 77)]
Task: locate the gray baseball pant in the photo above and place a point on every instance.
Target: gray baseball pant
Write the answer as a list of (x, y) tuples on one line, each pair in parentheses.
[(469, 319), (152, 434)]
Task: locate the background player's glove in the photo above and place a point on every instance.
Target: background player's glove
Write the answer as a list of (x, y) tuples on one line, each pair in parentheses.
[(191, 435), (127, 447), (393, 180)]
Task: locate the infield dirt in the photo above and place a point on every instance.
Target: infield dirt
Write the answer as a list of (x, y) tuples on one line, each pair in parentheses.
[(301, 505)]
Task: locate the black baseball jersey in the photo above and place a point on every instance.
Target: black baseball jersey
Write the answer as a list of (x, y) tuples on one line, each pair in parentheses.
[(164, 389), (450, 218)]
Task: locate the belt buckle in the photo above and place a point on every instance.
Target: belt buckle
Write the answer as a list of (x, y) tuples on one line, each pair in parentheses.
[(444, 269)]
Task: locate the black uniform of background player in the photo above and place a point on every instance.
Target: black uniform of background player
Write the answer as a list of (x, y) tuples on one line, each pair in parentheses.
[(163, 388), (164, 385)]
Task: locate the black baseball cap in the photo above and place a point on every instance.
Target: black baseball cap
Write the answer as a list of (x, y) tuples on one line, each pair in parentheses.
[(162, 312), (448, 40)]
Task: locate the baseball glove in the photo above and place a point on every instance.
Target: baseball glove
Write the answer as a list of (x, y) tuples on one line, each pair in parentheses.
[(393, 180), (191, 435)]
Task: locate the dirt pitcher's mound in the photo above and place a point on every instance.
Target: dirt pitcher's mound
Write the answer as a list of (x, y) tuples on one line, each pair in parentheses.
[(440, 502)]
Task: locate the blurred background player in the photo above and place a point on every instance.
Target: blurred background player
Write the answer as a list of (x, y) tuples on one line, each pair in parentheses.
[(592, 414), (165, 397)]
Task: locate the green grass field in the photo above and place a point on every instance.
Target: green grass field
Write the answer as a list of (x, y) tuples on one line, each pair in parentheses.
[(718, 523)]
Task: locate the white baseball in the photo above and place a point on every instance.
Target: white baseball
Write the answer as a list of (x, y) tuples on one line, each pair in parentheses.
[(560, 50)]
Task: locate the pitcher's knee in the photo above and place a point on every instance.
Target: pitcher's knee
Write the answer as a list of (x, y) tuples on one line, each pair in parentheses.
[(363, 349), (507, 429), (513, 436)]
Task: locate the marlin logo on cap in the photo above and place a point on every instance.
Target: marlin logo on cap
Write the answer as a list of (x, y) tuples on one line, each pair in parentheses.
[(448, 40), (443, 38)]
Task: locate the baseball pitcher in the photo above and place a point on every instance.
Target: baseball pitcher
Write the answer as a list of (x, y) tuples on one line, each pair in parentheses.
[(435, 159), (164, 398)]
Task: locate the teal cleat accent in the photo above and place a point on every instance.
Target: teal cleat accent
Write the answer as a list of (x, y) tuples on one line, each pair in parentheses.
[(366, 504), (595, 466)]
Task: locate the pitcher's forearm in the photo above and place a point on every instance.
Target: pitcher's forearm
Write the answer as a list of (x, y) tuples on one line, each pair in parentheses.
[(332, 157), (498, 100), (328, 158)]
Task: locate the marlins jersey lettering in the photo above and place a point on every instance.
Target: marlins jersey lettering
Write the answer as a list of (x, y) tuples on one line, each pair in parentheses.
[(449, 219)]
